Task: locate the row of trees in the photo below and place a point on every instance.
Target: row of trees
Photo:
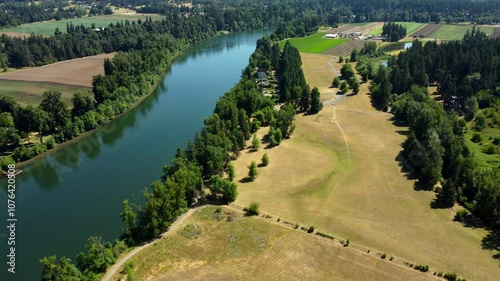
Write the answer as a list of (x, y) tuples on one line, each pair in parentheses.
[(435, 150)]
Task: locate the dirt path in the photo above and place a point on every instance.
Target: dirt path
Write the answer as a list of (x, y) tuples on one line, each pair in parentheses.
[(111, 271)]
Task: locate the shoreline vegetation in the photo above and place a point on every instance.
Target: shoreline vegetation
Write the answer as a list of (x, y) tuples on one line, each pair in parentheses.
[(57, 147)]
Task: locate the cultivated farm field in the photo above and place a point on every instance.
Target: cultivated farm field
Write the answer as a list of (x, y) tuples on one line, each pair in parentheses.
[(346, 48), (314, 43), (76, 72), (340, 173), (249, 248), (427, 30), (48, 27)]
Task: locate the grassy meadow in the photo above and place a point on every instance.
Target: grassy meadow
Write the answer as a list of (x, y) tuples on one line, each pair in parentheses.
[(48, 27), (314, 43), (256, 248), (456, 31), (340, 172), (31, 92)]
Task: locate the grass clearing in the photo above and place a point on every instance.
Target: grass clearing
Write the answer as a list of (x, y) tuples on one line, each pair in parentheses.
[(349, 183), (31, 92), (313, 43), (486, 160), (250, 248), (410, 28), (48, 27), (456, 32)]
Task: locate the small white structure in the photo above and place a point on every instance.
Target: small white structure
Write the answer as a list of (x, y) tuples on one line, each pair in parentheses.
[(331, 35)]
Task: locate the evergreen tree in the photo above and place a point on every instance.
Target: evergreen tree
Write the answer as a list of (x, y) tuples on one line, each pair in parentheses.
[(252, 171), (316, 104)]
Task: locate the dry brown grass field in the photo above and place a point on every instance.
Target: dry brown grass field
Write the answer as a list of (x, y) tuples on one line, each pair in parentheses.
[(339, 173), (250, 248), (76, 72), (31, 92)]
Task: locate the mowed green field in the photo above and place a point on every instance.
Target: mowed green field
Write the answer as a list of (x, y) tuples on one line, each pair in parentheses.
[(31, 92), (313, 43), (48, 27), (456, 32), (410, 28)]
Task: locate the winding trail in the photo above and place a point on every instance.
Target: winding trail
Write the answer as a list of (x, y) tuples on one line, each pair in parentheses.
[(113, 269), (334, 120)]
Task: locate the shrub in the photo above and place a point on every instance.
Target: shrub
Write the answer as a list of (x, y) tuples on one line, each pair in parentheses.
[(265, 160), (311, 229), (423, 268), (50, 143), (450, 276), (391, 259), (255, 126), (325, 235), (255, 143), (476, 137), (218, 210), (6, 161), (336, 82), (383, 256), (252, 171), (346, 243), (278, 220), (461, 215), (296, 226), (490, 149), (252, 209)]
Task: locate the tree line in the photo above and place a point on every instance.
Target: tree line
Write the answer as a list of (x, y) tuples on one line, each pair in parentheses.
[(435, 150)]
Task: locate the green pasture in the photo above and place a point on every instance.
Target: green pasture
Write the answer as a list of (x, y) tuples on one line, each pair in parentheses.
[(48, 27), (313, 43)]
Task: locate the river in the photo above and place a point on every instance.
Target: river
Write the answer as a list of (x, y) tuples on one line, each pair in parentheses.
[(77, 191)]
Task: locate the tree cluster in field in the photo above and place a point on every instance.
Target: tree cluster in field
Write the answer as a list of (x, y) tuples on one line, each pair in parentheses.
[(435, 150), (394, 31), (347, 80)]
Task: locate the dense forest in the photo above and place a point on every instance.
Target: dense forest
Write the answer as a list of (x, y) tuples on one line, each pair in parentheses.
[(467, 73)]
